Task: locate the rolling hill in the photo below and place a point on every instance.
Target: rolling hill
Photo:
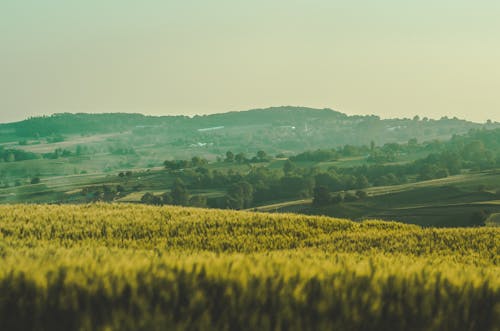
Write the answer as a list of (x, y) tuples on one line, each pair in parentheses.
[(278, 128)]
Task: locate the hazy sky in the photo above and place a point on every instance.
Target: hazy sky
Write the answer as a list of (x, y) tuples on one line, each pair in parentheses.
[(393, 58)]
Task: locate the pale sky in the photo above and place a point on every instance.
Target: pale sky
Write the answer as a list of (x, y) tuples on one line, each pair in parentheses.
[(392, 58)]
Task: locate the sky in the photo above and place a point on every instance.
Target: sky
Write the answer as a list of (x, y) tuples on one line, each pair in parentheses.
[(392, 58)]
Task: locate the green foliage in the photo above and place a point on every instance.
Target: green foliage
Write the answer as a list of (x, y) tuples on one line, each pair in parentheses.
[(179, 193), (241, 158), (322, 196), (13, 155), (239, 195), (106, 193), (229, 156), (151, 199), (288, 167), (195, 161), (319, 155), (55, 138)]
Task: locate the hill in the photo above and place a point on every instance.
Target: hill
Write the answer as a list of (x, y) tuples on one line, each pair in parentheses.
[(277, 129), (118, 267)]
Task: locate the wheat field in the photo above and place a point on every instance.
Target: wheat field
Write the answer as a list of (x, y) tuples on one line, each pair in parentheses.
[(136, 267)]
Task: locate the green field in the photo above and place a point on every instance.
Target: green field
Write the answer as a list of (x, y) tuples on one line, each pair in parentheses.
[(449, 202), (134, 267)]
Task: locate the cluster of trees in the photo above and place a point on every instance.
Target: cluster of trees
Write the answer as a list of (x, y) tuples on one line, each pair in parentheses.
[(105, 193), (258, 185), (13, 155), (178, 195), (320, 155), (241, 158), (323, 155), (65, 123), (55, 138), (122, 150), (323, 197), (387, 153), (230, 157), (477, 150), (125, 174), (195, 161), (58, 152)]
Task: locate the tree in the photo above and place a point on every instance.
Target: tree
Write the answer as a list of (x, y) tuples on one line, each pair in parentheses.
[(478, 218), (288, 167), (427, 172), (262, 156), (179, 193), (10, 157), (239, 195), (229, 156), (361, 194), (474, 150), (197, 161), (294, 186), (120, 189), (441, 173), (35, 180), (166, 198), (362, 182), (202, 171), (151, 199), (109, 193), (240, 158), (322, 196), (80, 150), (198, 201)]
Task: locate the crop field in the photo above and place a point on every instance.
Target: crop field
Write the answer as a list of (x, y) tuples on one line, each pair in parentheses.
[(135, 267)]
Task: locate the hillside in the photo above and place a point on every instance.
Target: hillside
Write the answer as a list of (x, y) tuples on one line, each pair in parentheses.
[(451, 182), (278, 129), (455, 201), (118, 267)]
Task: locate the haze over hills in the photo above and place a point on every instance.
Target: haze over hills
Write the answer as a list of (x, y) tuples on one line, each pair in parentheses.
[(277, 129)]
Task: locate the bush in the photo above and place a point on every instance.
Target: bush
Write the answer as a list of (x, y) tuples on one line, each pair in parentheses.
[(361, 194)]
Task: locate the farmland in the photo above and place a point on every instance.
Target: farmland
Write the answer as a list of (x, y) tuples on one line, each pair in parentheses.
[(136, 267), (130, 158), (459, 200), (141, 261)]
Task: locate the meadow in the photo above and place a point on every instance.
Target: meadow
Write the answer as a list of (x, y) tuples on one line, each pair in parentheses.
[(137, 267)]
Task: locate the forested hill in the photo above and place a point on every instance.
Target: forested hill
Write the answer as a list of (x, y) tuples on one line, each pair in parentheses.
[(282, 125), (67, 123)]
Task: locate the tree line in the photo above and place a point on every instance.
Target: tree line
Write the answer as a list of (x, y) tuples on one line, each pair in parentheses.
[(257, 185)]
